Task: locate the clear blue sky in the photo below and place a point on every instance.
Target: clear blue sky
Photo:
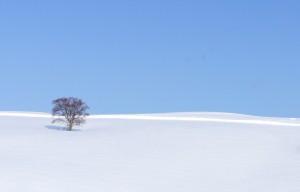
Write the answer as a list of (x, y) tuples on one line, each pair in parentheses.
[(152, 56)]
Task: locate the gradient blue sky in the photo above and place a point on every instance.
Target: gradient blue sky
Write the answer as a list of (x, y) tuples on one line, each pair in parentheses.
[(152, 56)]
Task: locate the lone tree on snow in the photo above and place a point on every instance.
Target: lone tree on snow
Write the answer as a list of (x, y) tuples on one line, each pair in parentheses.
[(69, 110)]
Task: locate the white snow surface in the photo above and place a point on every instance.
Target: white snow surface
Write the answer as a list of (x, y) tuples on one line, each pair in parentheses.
[(176, 152)]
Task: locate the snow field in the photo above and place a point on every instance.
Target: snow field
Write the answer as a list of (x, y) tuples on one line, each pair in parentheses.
[(145, 153)]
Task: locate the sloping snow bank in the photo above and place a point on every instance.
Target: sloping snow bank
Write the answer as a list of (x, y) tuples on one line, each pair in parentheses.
[(175, 117)]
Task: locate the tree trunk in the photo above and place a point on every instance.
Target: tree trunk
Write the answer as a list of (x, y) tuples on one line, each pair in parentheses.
[(70, 127)]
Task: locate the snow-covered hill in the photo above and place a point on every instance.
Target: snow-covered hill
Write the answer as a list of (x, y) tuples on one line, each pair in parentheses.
[(176, 152)]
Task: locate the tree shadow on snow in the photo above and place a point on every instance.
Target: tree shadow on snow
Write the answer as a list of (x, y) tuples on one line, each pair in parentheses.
[(59, 128)]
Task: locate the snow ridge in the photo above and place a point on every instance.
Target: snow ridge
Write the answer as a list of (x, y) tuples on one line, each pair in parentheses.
[(163, 117)]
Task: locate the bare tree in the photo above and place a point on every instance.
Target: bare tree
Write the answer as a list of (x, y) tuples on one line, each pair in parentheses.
[(69, 110)]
